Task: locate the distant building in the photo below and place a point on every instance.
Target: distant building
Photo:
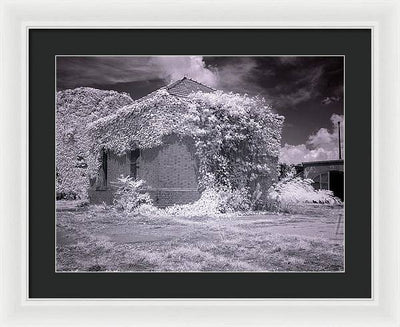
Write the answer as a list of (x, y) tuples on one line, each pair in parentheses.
[(327, 175)]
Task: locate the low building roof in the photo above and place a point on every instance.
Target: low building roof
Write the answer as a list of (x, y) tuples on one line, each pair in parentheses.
[(323, 163)]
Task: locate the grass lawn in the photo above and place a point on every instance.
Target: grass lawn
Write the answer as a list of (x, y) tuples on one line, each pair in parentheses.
[(99, 239)]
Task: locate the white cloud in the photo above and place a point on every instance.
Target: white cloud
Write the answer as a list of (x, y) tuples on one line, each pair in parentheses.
[(337, 118), (174, 68), (322, 145), (323, 139), (295, 154)]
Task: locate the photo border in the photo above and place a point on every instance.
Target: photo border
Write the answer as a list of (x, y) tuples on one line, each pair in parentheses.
[(209, 271)]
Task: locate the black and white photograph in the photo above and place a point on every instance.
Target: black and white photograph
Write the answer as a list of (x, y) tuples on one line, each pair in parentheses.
[(200, 163)]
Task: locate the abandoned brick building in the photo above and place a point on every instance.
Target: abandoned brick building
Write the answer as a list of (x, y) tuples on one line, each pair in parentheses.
[(165, 160)]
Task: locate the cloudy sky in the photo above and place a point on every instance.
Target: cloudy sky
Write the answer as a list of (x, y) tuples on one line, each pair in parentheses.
[(308, 91)]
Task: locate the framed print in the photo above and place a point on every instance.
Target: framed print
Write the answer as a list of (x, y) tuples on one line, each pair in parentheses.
[(210, 179), (182, 169)]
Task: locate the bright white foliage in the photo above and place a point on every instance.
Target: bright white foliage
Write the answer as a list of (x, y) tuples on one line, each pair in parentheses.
[(291, 191), (236, 137), (213, 202), (142, 124), (129, 194), (75, 109)]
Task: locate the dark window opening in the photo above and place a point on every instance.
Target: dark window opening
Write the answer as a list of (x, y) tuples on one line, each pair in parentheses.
[(135, 154), (104, 169), (337, 184), (321, 182)]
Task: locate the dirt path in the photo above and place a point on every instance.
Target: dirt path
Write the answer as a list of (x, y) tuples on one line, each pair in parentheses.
[(261, 241), (298, 225)]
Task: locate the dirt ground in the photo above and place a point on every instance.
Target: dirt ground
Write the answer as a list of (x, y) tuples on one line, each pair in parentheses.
[(101, 239)]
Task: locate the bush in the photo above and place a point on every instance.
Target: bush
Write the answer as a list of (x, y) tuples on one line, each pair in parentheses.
[(290, 192), (208, 204), (130, 194), (212, 202), (234, 200)]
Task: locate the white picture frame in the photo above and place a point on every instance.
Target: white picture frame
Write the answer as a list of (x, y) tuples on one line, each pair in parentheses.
[(382, 17)]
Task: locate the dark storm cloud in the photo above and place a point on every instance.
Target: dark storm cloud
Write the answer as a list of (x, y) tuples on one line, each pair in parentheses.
[(329, 100), (284, 81), (306, 90), (82, 71)]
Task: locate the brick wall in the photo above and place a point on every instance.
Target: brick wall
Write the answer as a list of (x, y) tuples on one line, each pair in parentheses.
[(164, 198), (170, 172)]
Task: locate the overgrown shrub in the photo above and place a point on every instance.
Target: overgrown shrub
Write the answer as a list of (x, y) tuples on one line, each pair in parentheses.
[(130, 194), (212, 202), (208, 204), (237, 138), (292, 191), (75, 161), (234, 200)]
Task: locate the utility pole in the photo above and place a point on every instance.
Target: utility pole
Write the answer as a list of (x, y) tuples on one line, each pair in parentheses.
[(340, 146)]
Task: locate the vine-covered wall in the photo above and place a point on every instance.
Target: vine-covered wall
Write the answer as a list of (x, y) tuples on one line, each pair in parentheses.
[(75, 109), (234, 139), (170, 171)]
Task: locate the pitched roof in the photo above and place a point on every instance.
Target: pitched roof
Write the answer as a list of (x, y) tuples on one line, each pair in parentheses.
[(185, 86), (141, 123), (181, 88)]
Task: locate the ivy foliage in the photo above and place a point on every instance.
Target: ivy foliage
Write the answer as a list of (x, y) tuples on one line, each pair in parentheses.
[(75, 110), (237, 137)]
